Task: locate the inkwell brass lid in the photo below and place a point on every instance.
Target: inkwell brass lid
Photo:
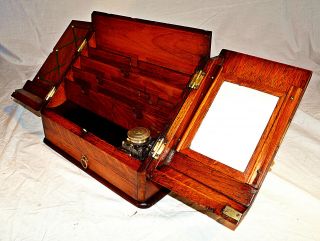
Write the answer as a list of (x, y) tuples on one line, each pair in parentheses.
[(138, 135)]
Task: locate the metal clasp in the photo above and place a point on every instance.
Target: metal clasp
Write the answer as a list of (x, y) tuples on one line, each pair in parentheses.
[(196, 79), (82, 45), (158, 148), (84, 161), (51, 93), (232, 213)]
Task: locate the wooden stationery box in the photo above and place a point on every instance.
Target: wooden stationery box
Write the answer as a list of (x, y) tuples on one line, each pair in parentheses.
[(142, 107)]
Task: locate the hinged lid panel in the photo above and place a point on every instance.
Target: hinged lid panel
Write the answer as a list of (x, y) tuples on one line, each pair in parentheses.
[(264, 95), (174, 47), (36, 92)]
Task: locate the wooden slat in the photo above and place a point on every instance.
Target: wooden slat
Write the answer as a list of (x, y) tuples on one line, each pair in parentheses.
[(115, 110), (172, 77), (235, 190), (174, 47), (127, 93), (192, 190), (261, 73), (278, 130), (143, 83), (28, 99)]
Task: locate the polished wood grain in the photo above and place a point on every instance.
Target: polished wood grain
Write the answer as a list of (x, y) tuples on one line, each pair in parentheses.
[(142, 83), (187, 167), (198, 193), (174, 47), (107, 161), (186, 112), (271, 145), (153, 71), (235, 190), (260, 73), (134, 72), (34, 92), (117, 110), (124, 88), (153, 197), (274, 88)]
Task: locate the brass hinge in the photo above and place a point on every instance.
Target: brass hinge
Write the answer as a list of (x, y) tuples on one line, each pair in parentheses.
[(51, 93), (232, 213), (196, 79), (82, 45), (158, 148)]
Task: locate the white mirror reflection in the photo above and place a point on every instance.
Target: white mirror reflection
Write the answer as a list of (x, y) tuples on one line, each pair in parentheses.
[(233, 126)]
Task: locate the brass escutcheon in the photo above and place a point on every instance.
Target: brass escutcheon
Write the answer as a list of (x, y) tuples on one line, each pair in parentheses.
[(84, 161)]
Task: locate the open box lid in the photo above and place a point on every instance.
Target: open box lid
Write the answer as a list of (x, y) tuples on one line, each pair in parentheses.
[(212, 158), (147, 45), (37, 92)]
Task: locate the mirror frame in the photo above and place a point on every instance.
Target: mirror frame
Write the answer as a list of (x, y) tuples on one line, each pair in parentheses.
[(260, 159)]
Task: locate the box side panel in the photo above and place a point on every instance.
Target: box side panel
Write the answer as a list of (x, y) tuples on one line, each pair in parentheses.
[(104, 164)]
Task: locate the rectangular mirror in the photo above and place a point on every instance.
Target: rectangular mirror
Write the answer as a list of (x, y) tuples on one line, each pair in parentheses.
[(233, 125)]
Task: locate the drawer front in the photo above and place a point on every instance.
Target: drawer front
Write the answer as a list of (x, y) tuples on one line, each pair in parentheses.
[(61, 133)]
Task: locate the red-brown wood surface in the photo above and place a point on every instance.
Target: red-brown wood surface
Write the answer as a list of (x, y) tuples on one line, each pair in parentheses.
[(34, 93), (136, 81), (186, 112), (235, 190), (261, 73), (105, 160), (257, 172), (280, 79), (110, 85), (128, 90), (103, 164), (134, 73), (174, 47), (150, 71), (115, 110), (187, 172), (199, 193)]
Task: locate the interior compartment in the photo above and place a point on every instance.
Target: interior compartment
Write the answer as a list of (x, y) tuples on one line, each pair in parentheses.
[(91, 122), (107, 97), (131, 73)]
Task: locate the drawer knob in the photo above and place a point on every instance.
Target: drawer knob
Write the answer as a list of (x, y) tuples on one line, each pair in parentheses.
[(84, 161)]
